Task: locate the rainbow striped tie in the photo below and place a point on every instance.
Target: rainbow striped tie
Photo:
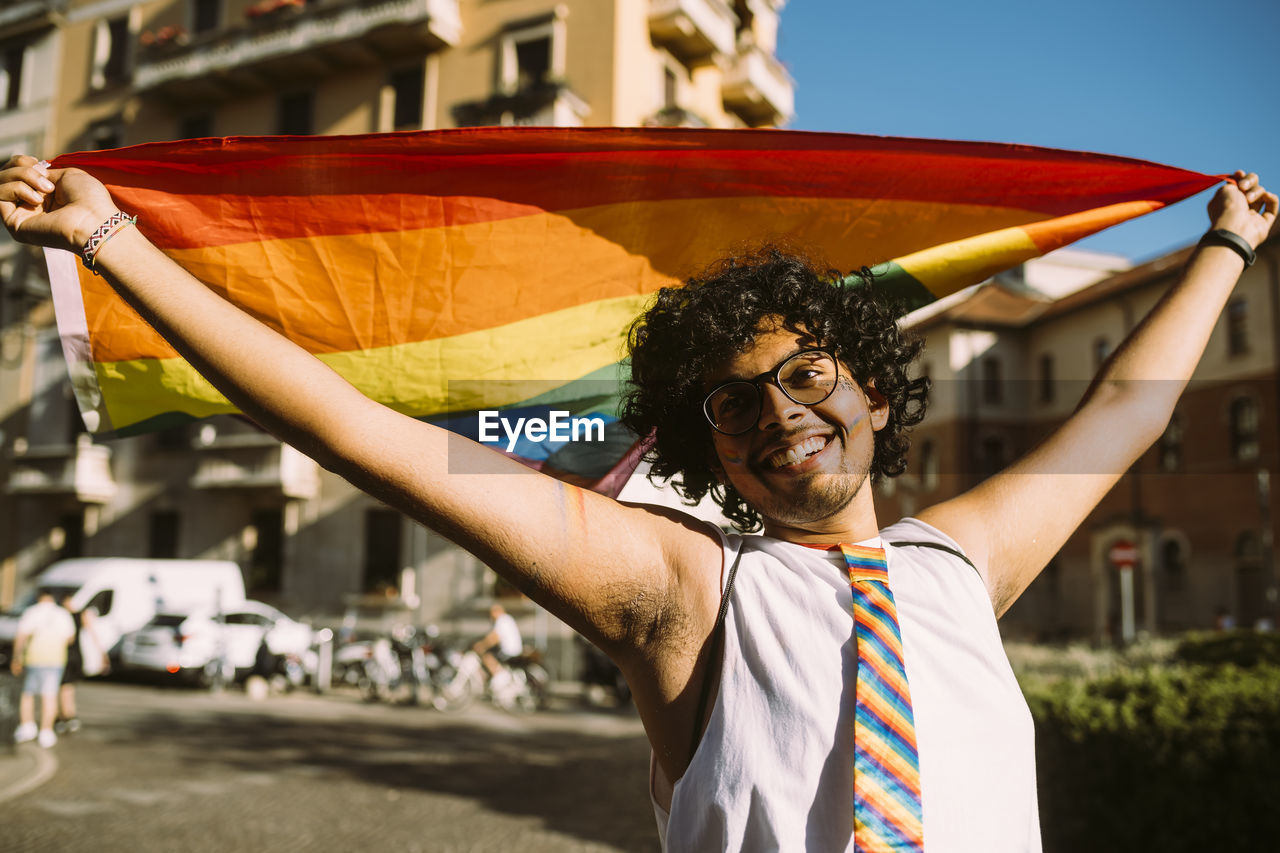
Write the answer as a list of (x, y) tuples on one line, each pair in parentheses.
[(887, 816)]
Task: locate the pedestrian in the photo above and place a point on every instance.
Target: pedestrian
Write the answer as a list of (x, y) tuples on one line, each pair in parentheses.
[(40, 650), (828, 685), (85, 656)]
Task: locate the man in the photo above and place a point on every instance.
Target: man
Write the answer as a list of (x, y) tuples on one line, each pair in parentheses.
[(784, 389), (44, 630), (502, 643)]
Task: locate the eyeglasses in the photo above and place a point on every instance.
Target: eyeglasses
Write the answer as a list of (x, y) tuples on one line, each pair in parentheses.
[(808, 378)]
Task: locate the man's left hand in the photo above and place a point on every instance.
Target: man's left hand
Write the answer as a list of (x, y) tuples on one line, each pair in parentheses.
[(1244, 207)]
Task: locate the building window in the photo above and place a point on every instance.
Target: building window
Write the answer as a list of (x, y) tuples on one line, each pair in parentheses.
[(75, 420), (174, 438), (1243, 424), (1101, 352), (162, 534), (409, 89), (266, 561), (532, 56), (11, 76), (104, 136), (992, 386), (928, 464), (1251, 581), (991, 456), (197, 126), (381, 550), (111, 47), (670, 88), (533, 62), (72, 525), (1169, 448), (1047, 389), (294, 114), (1173, 559), (206, 15), (1237, 327)]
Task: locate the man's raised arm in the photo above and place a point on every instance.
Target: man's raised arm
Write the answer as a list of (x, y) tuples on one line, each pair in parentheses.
[(1012, 524), (609, 570)]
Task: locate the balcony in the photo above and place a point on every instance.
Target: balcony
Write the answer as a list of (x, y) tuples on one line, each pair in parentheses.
[(695, 31), (295, 42), (546, 104), (255, 461), (18, 18), (758, 88), (81, 471), (675, 117)]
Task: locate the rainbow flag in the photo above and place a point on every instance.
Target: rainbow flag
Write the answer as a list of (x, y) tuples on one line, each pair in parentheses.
[(453, 271)]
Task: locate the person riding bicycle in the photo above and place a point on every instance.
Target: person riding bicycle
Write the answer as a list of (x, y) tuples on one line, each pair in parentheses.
[(501, 644)]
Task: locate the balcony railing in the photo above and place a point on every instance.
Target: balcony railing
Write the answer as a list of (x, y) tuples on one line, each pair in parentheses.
[(81, 470), (675, 117), (29, 13), (546, 104), (255, 461), (758, 88), (693, 30), (268, 48)]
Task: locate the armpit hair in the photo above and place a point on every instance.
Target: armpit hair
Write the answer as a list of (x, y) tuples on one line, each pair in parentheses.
[(640, 617)]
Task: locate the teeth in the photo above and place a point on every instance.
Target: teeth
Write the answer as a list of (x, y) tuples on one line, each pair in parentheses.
[(796, 452)]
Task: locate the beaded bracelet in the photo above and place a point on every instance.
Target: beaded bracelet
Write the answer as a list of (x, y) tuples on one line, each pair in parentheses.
[(115, 223)]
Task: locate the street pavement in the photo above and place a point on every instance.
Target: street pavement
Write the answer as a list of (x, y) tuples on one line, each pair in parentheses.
[(159, 769)]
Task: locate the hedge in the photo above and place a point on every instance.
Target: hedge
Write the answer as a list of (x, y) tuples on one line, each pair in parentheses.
[(1168, 758)]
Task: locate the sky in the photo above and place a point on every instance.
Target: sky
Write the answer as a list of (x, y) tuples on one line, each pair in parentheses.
[(1187, 83)]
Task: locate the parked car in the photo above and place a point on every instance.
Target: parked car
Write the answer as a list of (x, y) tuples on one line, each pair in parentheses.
[(208, 648)]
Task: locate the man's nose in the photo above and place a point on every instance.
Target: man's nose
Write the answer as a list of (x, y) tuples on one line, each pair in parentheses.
[(776, 408)]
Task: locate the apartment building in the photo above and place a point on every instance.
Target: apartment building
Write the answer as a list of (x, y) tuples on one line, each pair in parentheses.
[(1186, 535), (87, 74)]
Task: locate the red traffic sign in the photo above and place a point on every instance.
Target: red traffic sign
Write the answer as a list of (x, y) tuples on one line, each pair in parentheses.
[(1123, 554)]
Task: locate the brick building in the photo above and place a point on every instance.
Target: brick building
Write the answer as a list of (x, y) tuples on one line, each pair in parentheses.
[(1009, 363)]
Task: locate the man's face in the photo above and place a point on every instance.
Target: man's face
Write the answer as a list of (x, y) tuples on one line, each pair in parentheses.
[(800, 465)]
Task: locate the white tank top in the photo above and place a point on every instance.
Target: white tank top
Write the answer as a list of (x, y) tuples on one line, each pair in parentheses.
[(774, 770)]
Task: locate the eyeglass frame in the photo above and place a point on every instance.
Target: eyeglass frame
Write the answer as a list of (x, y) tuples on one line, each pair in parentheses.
[(772, 376)]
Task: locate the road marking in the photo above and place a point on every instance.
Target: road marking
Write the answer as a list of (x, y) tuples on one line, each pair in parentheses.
[(136, 797), (46, 766), (72, 808)]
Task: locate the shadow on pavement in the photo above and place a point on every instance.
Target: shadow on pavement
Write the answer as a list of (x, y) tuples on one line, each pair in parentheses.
[(570, 780)]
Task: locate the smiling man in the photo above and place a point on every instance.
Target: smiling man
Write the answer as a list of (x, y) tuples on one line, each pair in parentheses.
[(790, 397), (828, 685)]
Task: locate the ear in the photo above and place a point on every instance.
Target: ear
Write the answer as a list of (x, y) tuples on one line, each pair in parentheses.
[(877, 405)]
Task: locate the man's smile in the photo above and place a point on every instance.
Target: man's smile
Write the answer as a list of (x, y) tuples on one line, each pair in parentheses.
[(792, 453)]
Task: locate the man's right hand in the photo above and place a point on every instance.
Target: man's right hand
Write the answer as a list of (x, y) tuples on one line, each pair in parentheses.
[(59, 208)]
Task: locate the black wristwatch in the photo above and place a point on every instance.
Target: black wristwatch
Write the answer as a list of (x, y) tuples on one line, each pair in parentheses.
[(1233, 241)]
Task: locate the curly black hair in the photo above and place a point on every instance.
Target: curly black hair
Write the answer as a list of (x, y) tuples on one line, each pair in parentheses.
[(690, 331)]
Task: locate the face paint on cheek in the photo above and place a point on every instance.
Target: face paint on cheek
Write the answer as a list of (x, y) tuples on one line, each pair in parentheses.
[(731, 457)]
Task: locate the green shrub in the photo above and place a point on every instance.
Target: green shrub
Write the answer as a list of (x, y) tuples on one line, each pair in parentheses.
[(1163, 759), (1242, 648)]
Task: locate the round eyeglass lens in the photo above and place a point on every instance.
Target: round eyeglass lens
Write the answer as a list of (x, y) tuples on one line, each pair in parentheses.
[(808, 377), (734, 408)]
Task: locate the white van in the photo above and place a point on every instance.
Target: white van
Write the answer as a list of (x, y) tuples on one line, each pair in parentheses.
[(127, 592)]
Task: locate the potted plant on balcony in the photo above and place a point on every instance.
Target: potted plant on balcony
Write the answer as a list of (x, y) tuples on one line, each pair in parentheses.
[(163, 39), (271, 10)]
